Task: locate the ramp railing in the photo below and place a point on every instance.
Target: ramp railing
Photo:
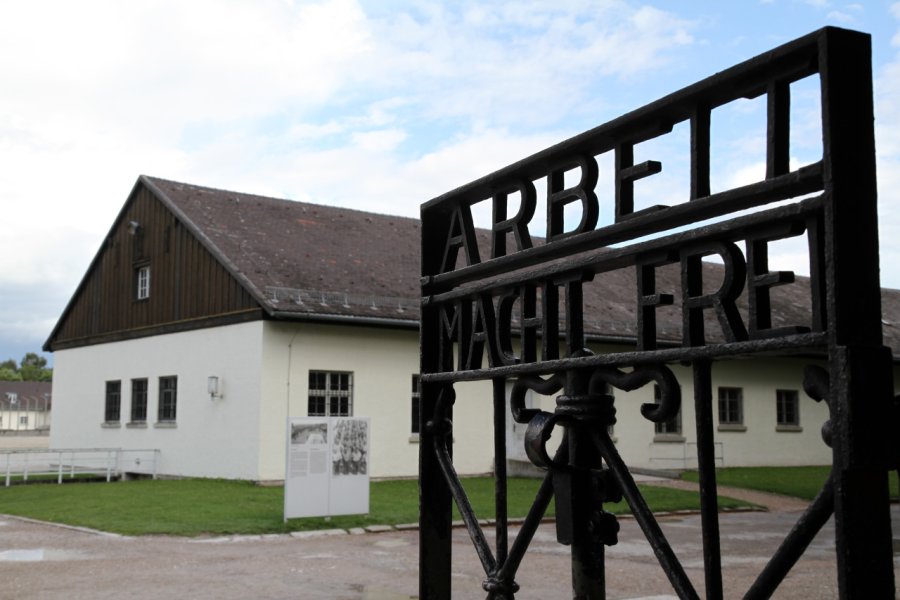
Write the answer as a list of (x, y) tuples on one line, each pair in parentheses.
[(69, 463)]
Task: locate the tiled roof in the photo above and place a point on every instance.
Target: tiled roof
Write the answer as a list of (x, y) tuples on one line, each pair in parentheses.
[(308, 260), (19, 395)]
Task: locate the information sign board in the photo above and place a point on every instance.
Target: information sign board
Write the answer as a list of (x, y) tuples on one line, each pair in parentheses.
[(327, 467)]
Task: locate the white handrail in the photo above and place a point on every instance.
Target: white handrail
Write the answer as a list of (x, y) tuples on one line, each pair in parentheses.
[(103, 462)]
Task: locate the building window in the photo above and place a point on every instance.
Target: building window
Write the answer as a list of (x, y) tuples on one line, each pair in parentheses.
[(142, 283), (330, 394), (138, 400), (168, 398), (731, 406), (673, 425), (113, 408), (23, 420), (414, 404), (788, 408)]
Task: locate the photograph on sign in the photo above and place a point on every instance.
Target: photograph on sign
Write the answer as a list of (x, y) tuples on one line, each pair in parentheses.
[(349, 450)]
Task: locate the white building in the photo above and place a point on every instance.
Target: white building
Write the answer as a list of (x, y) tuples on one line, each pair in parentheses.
[(208, 317), (25, 407)]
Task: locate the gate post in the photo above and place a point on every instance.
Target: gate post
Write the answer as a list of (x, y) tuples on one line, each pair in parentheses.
[(859, 365), (435, 515)]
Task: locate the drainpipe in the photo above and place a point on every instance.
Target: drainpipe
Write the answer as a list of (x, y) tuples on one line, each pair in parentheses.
[(287, 405)]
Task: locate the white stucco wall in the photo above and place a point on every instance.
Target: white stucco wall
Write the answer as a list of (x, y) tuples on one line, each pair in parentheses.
[(759, 443), (211, 438), (264, 368), (382, 362)]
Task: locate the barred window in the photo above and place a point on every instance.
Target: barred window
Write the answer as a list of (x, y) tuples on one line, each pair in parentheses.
[(138, 400), (416, 398), (168, 398), (673, 425), (330, 394), (113, 406), (787, 407), (731, 406)]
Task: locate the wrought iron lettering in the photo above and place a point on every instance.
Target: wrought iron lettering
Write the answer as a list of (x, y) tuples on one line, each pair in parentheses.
[(473, 309)]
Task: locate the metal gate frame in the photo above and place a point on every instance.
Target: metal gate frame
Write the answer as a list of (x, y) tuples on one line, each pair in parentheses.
[(467, 312)]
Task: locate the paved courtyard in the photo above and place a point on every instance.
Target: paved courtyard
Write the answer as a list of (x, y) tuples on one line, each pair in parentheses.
[(42, 561)]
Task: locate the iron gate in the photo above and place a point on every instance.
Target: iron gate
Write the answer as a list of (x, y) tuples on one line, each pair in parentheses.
[(477, 294)]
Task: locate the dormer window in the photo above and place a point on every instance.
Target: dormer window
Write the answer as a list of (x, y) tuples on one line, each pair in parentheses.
[(142, 283)]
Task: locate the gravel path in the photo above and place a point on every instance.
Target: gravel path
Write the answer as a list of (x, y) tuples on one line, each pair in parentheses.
[(40, 561)]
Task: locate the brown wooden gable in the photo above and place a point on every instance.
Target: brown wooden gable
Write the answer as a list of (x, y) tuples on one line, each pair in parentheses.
[(189, 287)]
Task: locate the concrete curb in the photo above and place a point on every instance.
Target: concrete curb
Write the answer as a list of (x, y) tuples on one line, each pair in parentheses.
[(69, 527), (318, 533)]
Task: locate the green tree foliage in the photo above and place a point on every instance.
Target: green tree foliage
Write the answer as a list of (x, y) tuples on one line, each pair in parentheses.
[(7, 374), (32, 368)]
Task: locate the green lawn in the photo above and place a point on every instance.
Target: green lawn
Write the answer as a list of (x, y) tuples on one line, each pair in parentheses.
[(194, 507), (801, 482)]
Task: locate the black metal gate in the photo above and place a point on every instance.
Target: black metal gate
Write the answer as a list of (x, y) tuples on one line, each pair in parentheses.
[(473, 304)]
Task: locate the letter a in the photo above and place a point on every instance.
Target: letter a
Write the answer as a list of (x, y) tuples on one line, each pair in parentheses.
[(460, 234)]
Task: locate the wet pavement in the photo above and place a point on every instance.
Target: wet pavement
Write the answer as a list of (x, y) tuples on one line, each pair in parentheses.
[(42, 561)]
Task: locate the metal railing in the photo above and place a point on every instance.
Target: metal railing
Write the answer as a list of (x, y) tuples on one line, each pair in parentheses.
[(68, 463)]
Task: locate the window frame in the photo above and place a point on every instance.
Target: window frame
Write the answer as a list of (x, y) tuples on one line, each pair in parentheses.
[(112, 406), (142, 282), (167, 407), (727, 420), (139, 400), (664, 431), (334, 401), (415, 404), (785, 397)]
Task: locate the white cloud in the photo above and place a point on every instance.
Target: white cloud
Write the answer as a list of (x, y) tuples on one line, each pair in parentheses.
[(345, 102), (98, 92), (512, 62), (841, 17), (887, 138), (385, 140)]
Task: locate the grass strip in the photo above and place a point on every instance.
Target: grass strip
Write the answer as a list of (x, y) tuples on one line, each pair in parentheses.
[(800, 482), (195, 507)]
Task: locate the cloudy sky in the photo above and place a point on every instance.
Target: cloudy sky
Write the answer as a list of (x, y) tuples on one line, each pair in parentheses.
[(375, 105)]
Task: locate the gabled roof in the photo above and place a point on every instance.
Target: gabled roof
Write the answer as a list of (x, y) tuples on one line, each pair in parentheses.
[(306, 260), (313, 262)]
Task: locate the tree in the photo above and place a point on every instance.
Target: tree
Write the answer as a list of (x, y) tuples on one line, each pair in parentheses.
[(33, 367), (7, 374)]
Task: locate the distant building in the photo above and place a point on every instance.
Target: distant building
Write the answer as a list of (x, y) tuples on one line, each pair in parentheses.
[(25, 406), (209, 317)]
